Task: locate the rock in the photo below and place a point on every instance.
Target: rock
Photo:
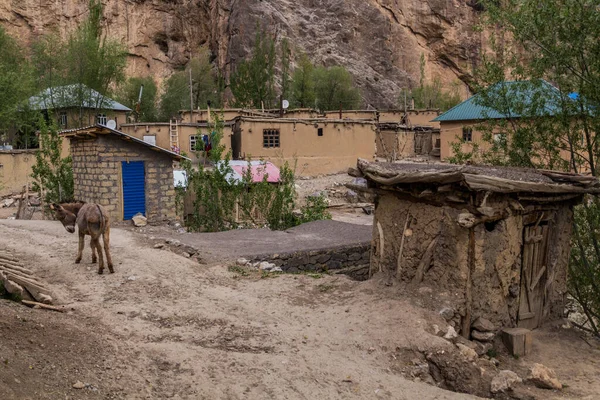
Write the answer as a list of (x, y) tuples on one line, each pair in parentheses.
[(139, 220), (8, 202), (35, 202), (159, 245), (186, 255), (543, 377), (276, 269), (266, 266), (351, 196), (505, 380), (450, 334), (483, 325), (447, 313), (467, 352), (483, 336), (481, 347), (242, 262), (174, 242), (78, 385)]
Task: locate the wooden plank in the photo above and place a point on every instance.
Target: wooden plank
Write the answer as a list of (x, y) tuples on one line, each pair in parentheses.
[(501, 185)]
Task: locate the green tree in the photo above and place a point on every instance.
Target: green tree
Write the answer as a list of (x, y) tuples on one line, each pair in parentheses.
[(285, 68), (206, 87), (130, 94), (334, 89), (87, 60), (432, 94), (253, 81), (16, 84), (558, 41), (52, 174), (303, 84)]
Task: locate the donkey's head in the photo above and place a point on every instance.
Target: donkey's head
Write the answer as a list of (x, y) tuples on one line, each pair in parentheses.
[(65, 216)]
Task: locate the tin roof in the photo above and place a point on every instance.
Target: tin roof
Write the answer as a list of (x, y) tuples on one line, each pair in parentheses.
[(73, 96), (93, 130), (527, 93)]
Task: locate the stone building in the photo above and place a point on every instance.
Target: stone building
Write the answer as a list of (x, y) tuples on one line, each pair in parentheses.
[(123, 173), (489, 242)]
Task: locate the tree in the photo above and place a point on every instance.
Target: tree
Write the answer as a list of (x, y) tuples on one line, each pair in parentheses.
[(206, 87), (52, 174), (334, 89), (285, 68), (130, 93), (432, 94), (87, 60), (558, 41), (253, 81), (303, 85), (16, 84)]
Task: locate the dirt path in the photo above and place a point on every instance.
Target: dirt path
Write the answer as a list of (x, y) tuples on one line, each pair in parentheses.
[(163, 326)]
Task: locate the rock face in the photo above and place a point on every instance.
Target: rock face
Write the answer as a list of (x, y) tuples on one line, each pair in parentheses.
[(379, 41)]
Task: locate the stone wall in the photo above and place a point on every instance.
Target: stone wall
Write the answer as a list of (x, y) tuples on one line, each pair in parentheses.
[(350, 260), (97, 175)]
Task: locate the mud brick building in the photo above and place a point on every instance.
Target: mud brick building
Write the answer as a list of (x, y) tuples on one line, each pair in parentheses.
[(489, 242), (124, 174)]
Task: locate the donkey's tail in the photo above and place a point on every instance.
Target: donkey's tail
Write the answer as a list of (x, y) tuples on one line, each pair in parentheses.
[(102, 222)]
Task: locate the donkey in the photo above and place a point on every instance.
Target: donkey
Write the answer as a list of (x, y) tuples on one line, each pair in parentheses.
[(91, 219)]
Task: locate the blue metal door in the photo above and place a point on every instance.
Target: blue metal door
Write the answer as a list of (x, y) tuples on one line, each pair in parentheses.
[(134, 193)]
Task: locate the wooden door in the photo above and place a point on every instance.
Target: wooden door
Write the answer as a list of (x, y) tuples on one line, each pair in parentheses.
[(533, 275)]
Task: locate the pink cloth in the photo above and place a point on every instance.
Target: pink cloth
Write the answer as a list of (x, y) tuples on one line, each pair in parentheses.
[(258, 171)]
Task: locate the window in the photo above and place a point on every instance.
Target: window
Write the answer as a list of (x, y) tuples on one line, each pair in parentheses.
[(467, 134), (62, 119), (101, 119), (320, 132), (437, 143), (196, 140), (270, 138), (150, 139)]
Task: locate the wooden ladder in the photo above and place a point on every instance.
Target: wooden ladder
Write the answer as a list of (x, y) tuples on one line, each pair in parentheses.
[(174, 134)]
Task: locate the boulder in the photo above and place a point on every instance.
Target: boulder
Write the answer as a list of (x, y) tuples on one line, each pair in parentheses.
[(467, 352), (450, 334), (276, 269), (139, 220), (544, 377), (505, 380), (483, 325), (483, 336), (266, 266), (242, 262)]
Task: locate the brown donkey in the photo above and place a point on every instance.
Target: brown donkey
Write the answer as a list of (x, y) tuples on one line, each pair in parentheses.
[(91, 219)]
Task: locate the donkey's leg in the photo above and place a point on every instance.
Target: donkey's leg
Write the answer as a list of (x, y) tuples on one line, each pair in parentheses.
[(96, 242), (106, 239), (94, 258), (81, 245)]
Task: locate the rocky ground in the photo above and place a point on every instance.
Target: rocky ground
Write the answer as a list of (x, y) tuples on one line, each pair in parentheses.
[(165, 326)]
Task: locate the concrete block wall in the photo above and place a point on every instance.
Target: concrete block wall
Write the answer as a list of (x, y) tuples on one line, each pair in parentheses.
[(97, 175)]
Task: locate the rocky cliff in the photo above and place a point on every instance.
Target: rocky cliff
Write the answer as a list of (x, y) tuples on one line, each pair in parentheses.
[(379, 41)]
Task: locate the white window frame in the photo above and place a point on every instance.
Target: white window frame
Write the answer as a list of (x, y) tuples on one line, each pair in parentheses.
[(101, 119)]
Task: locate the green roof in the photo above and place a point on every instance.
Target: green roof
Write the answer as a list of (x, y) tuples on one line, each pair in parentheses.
[(523, 98)]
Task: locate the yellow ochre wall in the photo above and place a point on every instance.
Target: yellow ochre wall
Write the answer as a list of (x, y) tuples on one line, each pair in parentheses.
[(339, 147), (15, 169)]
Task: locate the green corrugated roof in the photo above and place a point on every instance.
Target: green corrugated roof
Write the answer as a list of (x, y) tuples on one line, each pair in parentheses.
[(527, 95)]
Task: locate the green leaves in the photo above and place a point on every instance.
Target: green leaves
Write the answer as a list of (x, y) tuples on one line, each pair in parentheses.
[(129, 95), (334, 89)]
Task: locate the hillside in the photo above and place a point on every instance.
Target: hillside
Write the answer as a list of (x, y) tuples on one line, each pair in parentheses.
[(379, 41)]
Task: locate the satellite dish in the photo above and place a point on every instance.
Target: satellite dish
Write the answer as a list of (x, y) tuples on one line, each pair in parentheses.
[(111, 124), (285, 104)]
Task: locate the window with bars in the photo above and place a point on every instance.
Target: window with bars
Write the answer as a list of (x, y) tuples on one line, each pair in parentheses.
[(467, 134), (101, 119), (270, 138), (62, 119)]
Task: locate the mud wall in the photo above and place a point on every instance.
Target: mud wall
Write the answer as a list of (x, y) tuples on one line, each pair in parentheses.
[(434, 251), (15, 170)]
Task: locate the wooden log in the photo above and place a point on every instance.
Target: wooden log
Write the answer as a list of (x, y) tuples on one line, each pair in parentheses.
[(425, 262), (42, 305), (15, 267), (28, 284), (28, 278)]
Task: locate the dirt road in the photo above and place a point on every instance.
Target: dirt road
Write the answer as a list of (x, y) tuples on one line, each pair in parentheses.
[(163, 326)]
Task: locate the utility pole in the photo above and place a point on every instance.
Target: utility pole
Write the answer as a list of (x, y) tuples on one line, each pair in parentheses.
[(191, 98)]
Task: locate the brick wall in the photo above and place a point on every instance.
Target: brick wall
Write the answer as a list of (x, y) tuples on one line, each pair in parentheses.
[(97, 175)]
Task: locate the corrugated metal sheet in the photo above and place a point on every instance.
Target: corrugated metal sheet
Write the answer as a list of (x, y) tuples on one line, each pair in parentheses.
[(134, 193), (524, 93), (73, 96)]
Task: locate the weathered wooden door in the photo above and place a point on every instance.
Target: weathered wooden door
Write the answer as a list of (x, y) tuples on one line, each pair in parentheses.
[(533, 275)]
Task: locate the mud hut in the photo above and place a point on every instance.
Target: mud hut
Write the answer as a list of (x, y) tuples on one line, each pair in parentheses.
[(496, 239)]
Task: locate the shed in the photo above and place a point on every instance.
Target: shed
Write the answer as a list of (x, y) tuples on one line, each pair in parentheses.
[(496, 240), (123, 173)]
